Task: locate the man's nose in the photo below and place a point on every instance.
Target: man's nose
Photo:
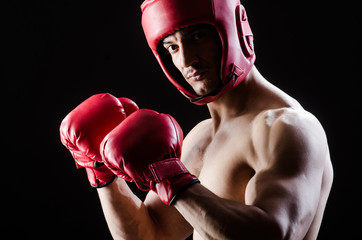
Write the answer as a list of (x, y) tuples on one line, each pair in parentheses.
[(188, 56)]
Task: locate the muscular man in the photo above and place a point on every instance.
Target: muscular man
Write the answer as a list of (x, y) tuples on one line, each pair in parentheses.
[(262, 161)]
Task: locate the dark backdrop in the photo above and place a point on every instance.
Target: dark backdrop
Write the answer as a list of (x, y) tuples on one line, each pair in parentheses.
[(55, 54)]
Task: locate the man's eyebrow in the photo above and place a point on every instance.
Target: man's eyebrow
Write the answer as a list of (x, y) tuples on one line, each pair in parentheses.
[(185, 32), (166, 42)]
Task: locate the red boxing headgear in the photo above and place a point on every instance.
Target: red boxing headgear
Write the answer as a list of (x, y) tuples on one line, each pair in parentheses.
[(161, 18)]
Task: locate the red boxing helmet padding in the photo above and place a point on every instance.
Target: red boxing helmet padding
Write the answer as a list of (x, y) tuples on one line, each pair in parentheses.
[(161, 18)]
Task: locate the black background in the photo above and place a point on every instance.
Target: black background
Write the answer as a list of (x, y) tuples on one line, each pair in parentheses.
[(55, 54)]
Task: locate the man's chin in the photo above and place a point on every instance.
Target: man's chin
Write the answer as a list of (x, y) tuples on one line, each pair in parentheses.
[(203, 92)]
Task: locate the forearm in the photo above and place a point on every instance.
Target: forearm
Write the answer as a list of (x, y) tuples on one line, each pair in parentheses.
[(126, 215), (216, 218)]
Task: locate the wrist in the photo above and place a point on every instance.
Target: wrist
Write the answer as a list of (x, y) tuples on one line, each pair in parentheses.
[(170, 191), (171, 179)]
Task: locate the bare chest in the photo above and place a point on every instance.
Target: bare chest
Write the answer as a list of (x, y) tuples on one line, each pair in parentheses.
[(223, 164)]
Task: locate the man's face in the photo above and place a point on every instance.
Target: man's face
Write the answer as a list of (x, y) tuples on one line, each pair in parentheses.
[(196, 53)]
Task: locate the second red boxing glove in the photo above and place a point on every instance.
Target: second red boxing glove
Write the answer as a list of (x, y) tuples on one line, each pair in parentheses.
[(84, 128), (147, 148)]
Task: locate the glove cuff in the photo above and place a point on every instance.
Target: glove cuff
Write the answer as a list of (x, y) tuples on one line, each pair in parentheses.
[(171, 178), (100, 176)]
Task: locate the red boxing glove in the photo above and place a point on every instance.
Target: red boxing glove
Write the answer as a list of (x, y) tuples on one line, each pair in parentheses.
[(146, 148), (84, 128)]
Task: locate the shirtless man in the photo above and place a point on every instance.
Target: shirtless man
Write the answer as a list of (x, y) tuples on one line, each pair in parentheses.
[(262, 161)]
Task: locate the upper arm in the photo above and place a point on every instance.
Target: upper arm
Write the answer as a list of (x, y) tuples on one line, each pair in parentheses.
[(292, 149), (165, 217)]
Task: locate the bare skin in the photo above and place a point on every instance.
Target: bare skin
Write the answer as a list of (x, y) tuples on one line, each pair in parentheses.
[(262, 160)]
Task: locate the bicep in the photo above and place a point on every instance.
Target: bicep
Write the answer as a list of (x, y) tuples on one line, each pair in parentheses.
[(291, 203)]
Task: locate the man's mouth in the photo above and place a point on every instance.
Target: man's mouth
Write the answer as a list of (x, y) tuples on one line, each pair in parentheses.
[(196, 76)]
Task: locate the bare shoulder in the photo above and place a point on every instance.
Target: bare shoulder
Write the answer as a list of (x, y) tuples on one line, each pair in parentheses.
[(277, 121), (200, 127), (281, 133), (199, 133), (195, 144)]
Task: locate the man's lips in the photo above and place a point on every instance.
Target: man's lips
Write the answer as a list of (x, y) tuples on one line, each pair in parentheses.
[(196, 76)]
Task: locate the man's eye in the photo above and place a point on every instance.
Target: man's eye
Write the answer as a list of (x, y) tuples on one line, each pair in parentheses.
[(171, 48)]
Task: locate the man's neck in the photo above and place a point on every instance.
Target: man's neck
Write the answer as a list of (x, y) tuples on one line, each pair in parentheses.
[(234, 102)]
